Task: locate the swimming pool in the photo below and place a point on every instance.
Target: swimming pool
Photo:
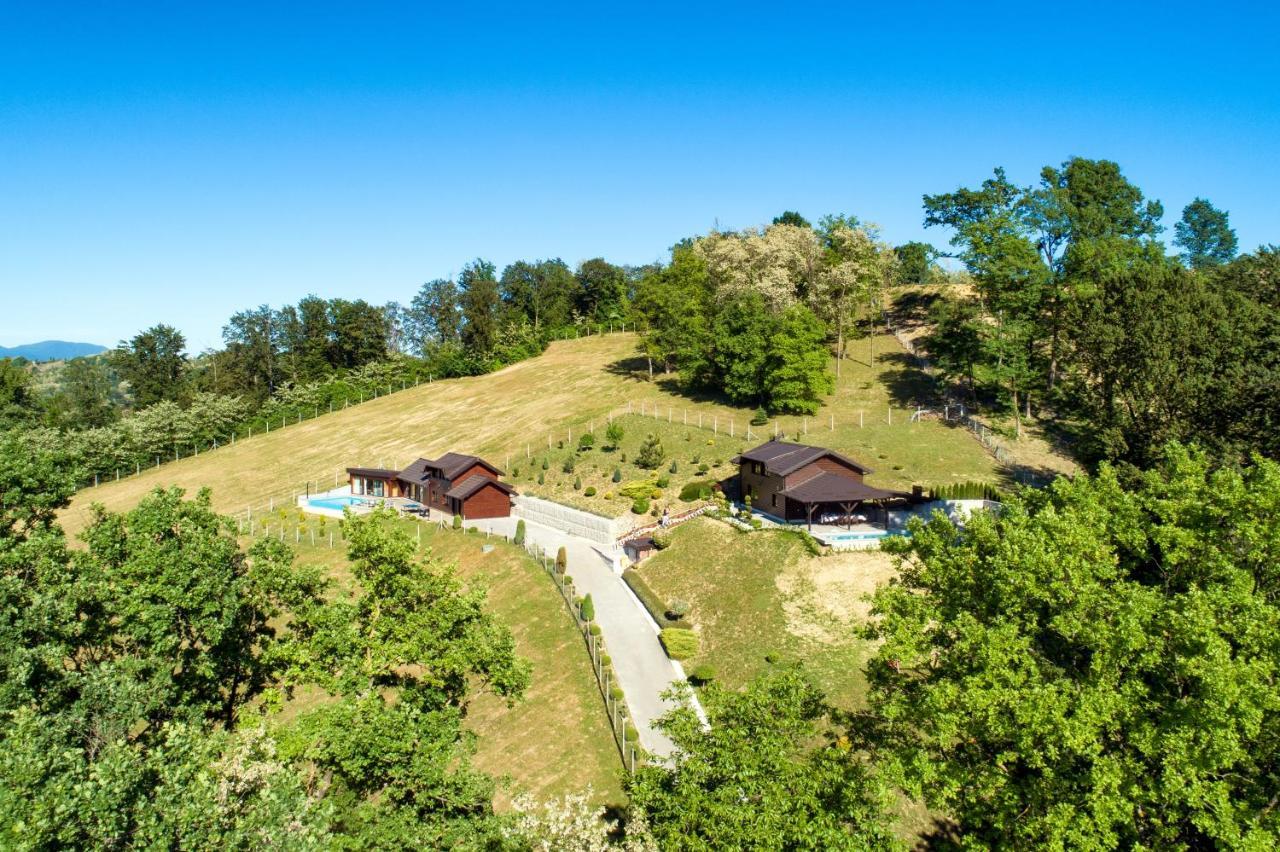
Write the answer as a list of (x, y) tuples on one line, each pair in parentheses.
[(337, 503), (864, 536)]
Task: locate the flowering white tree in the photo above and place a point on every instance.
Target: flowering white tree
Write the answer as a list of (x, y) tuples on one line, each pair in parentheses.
[(780, 263), (572, 824)]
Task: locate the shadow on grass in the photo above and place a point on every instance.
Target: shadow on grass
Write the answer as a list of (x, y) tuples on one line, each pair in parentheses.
[(906, 383), (913, 307)]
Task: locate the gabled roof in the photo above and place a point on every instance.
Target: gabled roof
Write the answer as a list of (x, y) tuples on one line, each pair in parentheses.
[(448, 465), (472, 484), (834, 488), (781, 458)]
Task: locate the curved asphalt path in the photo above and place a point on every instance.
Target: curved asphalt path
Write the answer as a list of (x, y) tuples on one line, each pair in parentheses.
[(631, 638)]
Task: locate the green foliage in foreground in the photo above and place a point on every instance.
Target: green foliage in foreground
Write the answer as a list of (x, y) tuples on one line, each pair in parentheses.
[(1097, 666), (756, 779), (131, 673)]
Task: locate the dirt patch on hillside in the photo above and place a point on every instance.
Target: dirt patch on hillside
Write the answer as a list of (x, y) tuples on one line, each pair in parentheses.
[(825, 598)]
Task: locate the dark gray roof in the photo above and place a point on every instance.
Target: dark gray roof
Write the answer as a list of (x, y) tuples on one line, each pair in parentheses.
[(834, 488), (472, 484), (782, 458), (373, 472), (449, 465)]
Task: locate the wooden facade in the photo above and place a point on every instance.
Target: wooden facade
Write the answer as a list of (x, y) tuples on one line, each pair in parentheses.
[(792, 482), (454, 484)]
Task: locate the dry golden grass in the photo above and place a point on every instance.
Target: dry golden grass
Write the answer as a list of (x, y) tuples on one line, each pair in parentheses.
[(575, 384)]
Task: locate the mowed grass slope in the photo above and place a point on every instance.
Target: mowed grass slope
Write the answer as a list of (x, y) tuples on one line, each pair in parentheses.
[(575, 384), (556, 739)]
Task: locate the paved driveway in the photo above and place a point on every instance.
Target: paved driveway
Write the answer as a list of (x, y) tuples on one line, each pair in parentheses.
[(631, 638)]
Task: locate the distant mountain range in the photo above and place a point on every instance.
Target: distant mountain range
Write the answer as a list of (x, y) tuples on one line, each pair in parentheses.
[(51, 350)]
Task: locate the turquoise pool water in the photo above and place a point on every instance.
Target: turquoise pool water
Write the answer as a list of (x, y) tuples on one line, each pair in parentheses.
[(336, 503), (863, 536)]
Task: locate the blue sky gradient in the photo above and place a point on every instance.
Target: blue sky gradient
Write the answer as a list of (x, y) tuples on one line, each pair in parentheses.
[(171, 163)]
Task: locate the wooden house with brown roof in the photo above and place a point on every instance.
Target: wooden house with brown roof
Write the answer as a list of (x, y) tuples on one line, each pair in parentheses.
[(455, 484), (800, 483)]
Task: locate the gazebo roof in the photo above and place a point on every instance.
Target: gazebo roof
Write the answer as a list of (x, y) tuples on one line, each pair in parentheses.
[(833, 488)]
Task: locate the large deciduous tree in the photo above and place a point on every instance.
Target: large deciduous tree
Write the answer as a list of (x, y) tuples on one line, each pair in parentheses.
[(479, 303), (760, 776), (1096, 666)]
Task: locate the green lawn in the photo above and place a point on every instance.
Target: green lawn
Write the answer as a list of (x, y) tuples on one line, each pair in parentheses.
[(761, 593), (556, 740)]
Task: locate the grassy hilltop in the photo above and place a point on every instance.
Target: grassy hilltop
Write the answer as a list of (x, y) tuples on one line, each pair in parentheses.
[(576, 384)]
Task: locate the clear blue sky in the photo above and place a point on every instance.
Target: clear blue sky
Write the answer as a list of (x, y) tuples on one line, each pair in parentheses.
[(172, 164)]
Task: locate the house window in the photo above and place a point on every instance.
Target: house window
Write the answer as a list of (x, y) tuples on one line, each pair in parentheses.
[(757, 468), (773, 500), (378, 486)]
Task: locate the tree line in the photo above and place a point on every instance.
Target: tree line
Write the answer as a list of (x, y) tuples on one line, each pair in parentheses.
[(1076, 312)]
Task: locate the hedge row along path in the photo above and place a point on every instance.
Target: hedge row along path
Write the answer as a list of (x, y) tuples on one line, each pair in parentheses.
[(643, 670)]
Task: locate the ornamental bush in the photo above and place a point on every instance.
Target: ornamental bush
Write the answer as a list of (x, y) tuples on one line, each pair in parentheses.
[(588, 609), (562, 560), (675, 466), (567, 467), (594, 630), (695, 491), (615, 692), (640, 505), (663, 481), (651, 453), (577, 483), (760, 418), (457, 522), (617, 474), (678, 608), (679, 643), (590, 492), (702, 674), (586, 441), (519, 539)]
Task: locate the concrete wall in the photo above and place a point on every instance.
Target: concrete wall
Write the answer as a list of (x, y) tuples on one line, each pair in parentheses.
[(594, 528)]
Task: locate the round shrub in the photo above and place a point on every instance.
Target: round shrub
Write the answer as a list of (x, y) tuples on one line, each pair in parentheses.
[(772, 657), (457, 522), (606, 661), (590, 492), (695, 491), (608, 495), (567, 580), (679, 643), (630, 734), (640, 506), (655, 494), (663, 481), (703, 673), (615, 692), (678, 609), (594, 629)]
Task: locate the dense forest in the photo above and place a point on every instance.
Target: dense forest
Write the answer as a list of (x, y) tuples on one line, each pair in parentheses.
[(1095, 666)]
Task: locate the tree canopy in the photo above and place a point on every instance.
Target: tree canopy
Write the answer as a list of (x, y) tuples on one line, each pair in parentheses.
[(1095, 666)]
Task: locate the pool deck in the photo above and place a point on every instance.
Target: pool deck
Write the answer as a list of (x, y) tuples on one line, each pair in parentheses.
[(305, 502)]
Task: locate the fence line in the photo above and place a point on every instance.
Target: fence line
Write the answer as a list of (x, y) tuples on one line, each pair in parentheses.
[(244, 429)]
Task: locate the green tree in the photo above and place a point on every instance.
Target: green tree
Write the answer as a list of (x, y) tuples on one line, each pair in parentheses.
[(614, 433), (915, 262), (796, 374), (791, 217), (673, 305), (759, 776), (359, 333), (602, 290), (479, 302), (154, 363), (17, 402), (1095, 666), (83, 400), (434, 316), (741, 331), (651, 453), (542, 293), (1205, 235)]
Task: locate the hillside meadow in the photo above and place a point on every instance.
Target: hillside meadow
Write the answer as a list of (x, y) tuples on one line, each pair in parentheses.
[(537, 408)]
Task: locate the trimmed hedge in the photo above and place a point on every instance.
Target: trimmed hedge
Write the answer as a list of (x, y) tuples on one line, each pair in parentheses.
[(967, 491), (680, 643), (652, 602), (695, 491)]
